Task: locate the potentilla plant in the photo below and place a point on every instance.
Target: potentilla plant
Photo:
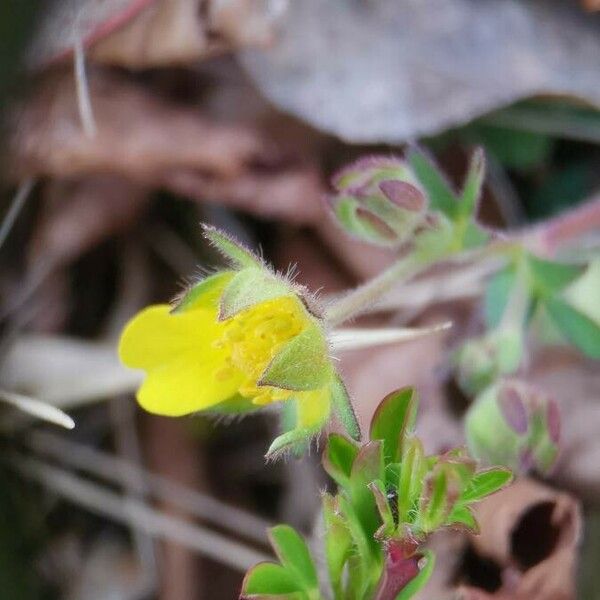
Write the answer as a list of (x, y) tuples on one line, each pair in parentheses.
[(391, 496), (247, 338)]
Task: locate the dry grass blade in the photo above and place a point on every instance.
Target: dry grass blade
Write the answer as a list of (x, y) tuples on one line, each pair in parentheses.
[(118, 470), (37, 408), (138, 515), (357, 338)]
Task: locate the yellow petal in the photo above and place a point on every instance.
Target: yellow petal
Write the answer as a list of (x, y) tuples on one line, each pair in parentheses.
[(187, 385), (155, 337)]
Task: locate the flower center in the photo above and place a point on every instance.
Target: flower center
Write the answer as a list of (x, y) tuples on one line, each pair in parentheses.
[(253, 337)]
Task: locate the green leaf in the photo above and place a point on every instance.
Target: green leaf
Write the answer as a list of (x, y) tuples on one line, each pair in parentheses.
[(474, 236), (343, 408), (302, 363), (485, 483), (394, 418), (367, 467), (473, 184), (294, 556), (410, 482), (552, 277), (579, 329), (383, 506), (338, 458), (206, 292), (462, 515), (236, 254), (434, 504), (268, 579), (248, 288), (367, 550), (438, 191), (338, 542), (418, 583), (497, 293)]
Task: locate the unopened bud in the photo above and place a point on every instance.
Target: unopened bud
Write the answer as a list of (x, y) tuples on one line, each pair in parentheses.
[(378, 200), (515, 424), (481, 361)]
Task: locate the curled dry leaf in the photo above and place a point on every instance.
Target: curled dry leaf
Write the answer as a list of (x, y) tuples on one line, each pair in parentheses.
[(531, 534), (155, 144), (139, 136)]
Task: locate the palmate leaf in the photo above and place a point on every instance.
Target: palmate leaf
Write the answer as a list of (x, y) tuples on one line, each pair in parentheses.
[(294, 556), (578, 328), (484, 483), (338, 541), (394, 418), (439, 193), (551, 277), (338, 459), (269, 580)]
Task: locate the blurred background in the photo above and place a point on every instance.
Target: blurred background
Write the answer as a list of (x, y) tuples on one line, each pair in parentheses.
[(125, 124)]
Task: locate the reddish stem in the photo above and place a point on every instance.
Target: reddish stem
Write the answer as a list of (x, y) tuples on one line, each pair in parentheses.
[(547, 237), (401, 567)]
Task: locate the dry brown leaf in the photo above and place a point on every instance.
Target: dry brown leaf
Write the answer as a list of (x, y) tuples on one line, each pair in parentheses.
[(532, 533), (150, 33), (78, 214), (139, 136)]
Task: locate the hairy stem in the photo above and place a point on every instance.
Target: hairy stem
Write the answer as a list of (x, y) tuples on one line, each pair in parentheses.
[(363, 296)]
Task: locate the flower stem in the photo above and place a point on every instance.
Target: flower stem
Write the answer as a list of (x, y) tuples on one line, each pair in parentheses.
[(363, 296)]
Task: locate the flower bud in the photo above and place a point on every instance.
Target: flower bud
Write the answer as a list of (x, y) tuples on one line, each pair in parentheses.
[(378, 200), (515, 424), (481, 361)]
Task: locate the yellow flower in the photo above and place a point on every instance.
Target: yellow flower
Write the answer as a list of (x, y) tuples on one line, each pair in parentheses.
[(237, 341)]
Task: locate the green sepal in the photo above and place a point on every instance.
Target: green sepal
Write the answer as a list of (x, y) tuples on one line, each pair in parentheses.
[(338, 542), (418, 583), (206, 292), (295, 556), (302, 364), (439, 193), (484, 483), (338, 458), (343, 408), (294, 441), (394, 418), (235, 253), (270, 580), (576, 327), (363, 224), (249, 287)]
